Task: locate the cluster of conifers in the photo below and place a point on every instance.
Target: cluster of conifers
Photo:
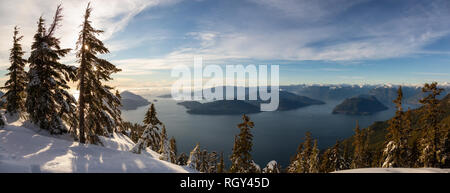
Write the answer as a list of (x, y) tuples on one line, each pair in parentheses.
[(41, 94), (414, 138)]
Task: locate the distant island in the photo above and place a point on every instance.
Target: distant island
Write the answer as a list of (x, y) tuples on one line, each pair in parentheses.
[(288, 101), (360, 105), (131, 101), (165, 96)]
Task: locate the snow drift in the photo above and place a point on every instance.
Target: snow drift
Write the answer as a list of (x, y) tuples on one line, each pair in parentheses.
[(26, 148)]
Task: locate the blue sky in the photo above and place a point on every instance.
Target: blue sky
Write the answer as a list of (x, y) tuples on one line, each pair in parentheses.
[(326, 41)]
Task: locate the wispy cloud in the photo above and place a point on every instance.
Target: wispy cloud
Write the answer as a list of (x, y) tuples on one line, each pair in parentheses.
[(111, 16)]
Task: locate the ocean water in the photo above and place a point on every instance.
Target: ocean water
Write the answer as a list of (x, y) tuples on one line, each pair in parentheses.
[(276, 134)]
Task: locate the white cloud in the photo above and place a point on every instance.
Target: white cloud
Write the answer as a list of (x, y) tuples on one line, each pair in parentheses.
[(310, 31), (109, 15)]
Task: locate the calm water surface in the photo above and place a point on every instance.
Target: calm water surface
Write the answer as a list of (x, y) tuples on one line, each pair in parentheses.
[(276, 134)]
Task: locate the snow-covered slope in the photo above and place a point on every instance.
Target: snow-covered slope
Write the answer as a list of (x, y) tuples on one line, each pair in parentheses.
[(24, 148), (395, 170)]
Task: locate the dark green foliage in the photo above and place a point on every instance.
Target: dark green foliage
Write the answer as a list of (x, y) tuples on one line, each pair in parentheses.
[(182, 159), (154, 125), (361, 154), (306, 159), (173, 150), (395, 153), (165, 148), (432, 146), (150, 136), (133, 130), (213, 158), (17, 82), (99, 112), (48, 103), (241, 159), (336, 157), (413, 119), (203, 161), (221, 165), (194, 158), (325, 162)]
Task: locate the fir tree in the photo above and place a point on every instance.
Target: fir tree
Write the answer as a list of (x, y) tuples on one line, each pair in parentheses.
[(173, 150), (396, 147), (164, 147), (431, 144), (150, 137), (414, 156), (99, 113), (182, 159), (15, 86), (337, 161), (446, 152), (48, 103), (241, 159), (305, 155), (325, 162), (221, 165), (360, 144), (301, 162), (347, 160), (314, 159), (204, 161), (153, 124), (194, 158), (212, 162)]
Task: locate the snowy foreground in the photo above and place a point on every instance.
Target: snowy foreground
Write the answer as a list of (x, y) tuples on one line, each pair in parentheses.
[(24, 148), (395, 170)]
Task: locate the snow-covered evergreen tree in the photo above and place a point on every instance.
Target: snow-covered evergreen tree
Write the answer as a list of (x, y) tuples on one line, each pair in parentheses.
[(294, 164), (182, 159), (204, 161), (272, 167), (194, 158), (154, 125), (142, 142), (325, 162), (241, 159), (255, 168), (314, 159), (336, 158), (432, 145), (17, 82), (396, 150), (221, 165), (48, 103), (150, 137), (302, 161), (164, 147), (212, 162), (99, 113), (446, 152), (173, 150)]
